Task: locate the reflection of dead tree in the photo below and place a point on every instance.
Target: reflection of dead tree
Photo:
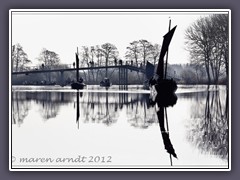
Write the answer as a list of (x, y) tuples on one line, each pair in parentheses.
[(210, 131)]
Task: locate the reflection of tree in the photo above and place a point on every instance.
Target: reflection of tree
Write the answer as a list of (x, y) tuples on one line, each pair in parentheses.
[(139, 113), (49, 108), (209, 131), (49, 103), (109, 118), (104, 108), (100, 108), (41, 97), (20, 107)]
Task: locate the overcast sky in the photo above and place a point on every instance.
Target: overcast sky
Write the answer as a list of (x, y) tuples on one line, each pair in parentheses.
[(63, 32)]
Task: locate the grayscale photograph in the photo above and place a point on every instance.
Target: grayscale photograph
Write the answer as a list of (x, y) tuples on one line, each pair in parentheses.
[(120, 89)]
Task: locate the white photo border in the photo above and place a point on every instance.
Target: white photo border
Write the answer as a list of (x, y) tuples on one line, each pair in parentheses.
[(11, 11)]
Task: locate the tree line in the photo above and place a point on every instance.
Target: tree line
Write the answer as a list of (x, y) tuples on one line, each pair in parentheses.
[(138, 52)]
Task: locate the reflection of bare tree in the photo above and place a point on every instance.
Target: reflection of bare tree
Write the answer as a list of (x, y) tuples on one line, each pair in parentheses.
[(105, 107), (209, 131), (139, 113), (40, 97), (49, 108), (100, 108), (48, 102), (20, 107), (109, 118)]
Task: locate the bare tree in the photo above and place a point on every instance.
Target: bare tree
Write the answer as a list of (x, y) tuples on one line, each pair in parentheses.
[(92, 55), (110, 52), (199, 44), (48, 59), (155, 52), (221, 30), (85, 56), (99, 54), (19, 58), (145, 49), (207, 42), (133, 51), (142, 50)]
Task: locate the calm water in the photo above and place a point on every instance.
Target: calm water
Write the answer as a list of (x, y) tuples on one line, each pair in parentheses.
[(96, 127)]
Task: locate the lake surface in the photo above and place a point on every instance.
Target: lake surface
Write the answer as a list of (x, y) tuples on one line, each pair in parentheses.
[(57, 127)]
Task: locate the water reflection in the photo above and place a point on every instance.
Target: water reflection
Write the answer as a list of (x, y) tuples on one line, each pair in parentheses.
[(99, 108), (165, 133), (139, 112), (48, 108), (91, 107), (78, 109), (208, 127), (20, 107), (163, 101), (96, 108), (104, 107)]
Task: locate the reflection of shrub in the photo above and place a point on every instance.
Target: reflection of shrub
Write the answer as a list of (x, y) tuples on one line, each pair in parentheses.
[(208, 129), (208, 137)]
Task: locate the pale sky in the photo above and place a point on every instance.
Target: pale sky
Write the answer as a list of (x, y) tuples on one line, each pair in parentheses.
[(63, 32)]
